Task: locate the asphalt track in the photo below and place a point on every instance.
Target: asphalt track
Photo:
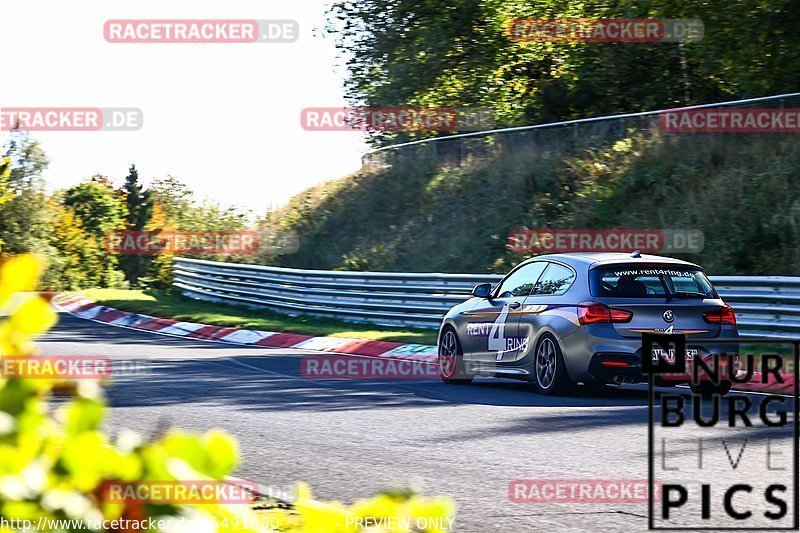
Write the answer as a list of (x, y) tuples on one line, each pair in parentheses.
[(350, 439)]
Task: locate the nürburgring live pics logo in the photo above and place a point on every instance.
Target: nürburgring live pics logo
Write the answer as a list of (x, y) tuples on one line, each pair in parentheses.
[(723, 462)]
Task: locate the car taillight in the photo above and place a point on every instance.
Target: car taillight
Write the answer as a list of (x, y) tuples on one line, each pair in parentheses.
[(596, 313), (724, 315)]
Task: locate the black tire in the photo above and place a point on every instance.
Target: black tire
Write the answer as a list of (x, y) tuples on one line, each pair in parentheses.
[(549, 371), (451, 359), (708, 389)]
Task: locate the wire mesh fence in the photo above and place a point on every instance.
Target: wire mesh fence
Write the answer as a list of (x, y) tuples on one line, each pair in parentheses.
[(574, 134)]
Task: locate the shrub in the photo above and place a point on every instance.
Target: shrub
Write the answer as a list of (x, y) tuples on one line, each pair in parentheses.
[(55, 464)]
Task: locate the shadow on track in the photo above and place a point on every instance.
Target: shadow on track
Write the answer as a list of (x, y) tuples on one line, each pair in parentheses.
[(274, 383), (269, 380), (188, 371)]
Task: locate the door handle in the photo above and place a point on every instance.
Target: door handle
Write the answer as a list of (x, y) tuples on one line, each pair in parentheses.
[(514, 305)]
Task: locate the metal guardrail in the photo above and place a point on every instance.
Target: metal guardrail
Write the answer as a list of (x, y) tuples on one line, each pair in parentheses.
[(765, 306)]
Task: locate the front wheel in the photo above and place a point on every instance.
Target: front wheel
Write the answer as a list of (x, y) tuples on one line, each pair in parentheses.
[(451, 359), (551, 373)]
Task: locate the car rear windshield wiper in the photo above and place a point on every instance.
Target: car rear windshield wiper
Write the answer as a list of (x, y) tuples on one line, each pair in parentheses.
[(686, 294)]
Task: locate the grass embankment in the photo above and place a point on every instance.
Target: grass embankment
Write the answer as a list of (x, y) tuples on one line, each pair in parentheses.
[(167, 304), (741, 190)]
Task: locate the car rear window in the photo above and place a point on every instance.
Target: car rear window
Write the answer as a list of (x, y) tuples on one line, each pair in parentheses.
[(650, 281)]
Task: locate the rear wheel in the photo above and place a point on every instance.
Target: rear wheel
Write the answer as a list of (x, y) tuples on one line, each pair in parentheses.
[(451, 359), (550, 372)]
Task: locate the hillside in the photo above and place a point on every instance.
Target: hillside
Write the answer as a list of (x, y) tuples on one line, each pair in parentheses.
[(741, 190)]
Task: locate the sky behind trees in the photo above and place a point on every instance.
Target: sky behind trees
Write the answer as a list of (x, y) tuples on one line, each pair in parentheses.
[(225, 118)]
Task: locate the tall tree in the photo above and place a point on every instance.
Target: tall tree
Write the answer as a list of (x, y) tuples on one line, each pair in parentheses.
[(80, 260), (140, 211), (460, 53), (98, 206), (182, 207), (5, 180), (99, 209), (177, 208), (24, 216)]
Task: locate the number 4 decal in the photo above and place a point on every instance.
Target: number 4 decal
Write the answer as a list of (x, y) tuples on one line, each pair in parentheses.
[(497, 335)]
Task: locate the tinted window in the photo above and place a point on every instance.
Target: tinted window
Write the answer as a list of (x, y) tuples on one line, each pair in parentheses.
[(521, 281), (556, 280), (650, 281)]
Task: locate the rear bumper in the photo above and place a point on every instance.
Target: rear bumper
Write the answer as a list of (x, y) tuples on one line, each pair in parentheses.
[(592, 352), (605, 366), (609, 367)]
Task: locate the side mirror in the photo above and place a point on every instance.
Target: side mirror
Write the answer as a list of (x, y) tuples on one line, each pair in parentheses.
[(482, 291)]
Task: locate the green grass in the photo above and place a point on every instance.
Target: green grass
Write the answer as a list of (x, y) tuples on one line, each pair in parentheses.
[(740, 190), (167, 304)]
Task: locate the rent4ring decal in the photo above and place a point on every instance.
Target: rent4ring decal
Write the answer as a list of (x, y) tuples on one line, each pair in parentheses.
[(498, 342)]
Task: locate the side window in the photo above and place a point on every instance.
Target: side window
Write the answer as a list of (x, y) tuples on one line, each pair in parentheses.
[(685, 284), (521, 281), (555, 280)]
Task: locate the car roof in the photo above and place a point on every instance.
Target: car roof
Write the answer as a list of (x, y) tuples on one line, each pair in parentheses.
[(594, 259)]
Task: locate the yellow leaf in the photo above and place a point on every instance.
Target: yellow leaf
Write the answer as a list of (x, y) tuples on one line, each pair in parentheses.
[(19, 274), (33, 317)]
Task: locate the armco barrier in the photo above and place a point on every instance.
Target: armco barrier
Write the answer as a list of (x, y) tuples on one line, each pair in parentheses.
[(765, 306)]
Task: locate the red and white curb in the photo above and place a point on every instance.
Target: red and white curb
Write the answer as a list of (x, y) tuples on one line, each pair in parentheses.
[(82, 307)]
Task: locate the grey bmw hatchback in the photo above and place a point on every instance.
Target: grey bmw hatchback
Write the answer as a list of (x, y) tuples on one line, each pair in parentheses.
[(557, 320)]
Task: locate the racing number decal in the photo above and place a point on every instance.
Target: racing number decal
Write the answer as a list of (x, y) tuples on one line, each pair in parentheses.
[(497, 335)]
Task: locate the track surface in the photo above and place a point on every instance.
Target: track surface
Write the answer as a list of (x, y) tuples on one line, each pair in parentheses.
[(349, 439)]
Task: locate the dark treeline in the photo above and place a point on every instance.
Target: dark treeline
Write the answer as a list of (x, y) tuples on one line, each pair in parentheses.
[(459, 53)]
